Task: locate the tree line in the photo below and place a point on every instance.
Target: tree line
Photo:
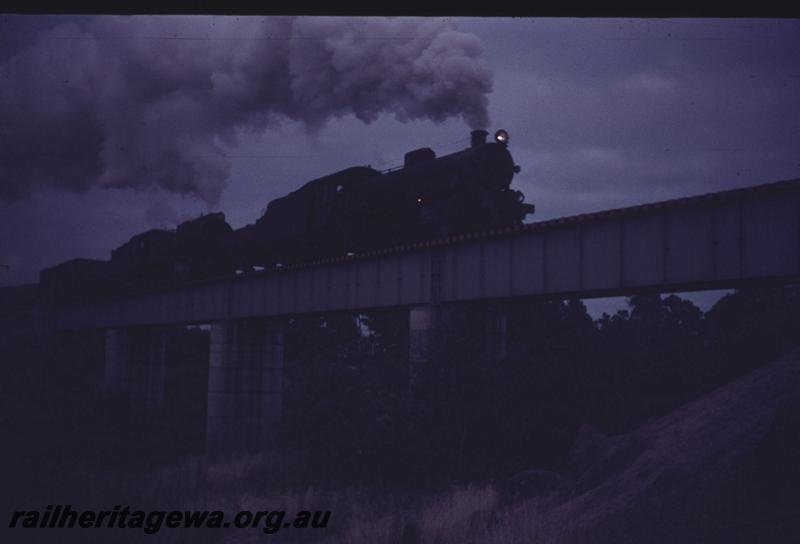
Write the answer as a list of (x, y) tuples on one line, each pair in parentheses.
[(351, 418)]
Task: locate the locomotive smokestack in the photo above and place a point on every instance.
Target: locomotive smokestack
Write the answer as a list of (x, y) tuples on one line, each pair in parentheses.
[(478, 137)]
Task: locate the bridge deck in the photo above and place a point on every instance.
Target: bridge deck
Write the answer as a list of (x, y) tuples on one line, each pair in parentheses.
[(710, 241)]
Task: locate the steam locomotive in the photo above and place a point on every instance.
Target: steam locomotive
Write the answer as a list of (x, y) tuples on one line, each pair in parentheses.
[(348, 212)]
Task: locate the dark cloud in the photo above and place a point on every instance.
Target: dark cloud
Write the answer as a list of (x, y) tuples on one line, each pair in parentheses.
[(148, 102)]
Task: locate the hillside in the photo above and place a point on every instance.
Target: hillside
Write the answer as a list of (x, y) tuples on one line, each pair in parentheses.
[(724, 468)]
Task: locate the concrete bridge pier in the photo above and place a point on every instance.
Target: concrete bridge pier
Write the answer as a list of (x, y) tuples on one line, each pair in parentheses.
[(245, 384), (135, 369), (425, 339), (115, 369), (434, 328), (496, 333)]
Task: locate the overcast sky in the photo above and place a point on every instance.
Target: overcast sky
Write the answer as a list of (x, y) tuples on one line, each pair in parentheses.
[(114, 125)]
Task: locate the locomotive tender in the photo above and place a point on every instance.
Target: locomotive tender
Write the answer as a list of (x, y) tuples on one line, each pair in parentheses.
[(348, 212)]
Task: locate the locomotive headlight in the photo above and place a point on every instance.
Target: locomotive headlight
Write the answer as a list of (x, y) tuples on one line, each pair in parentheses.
[(501, 136)]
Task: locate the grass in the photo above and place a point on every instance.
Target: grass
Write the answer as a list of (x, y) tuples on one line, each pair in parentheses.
[(360, 515)]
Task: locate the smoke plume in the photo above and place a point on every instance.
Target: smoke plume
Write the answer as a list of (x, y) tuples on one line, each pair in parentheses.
[(150, 101), (164, 216)]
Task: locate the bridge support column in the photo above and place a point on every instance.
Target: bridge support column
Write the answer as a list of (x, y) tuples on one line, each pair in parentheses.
[(135, 369), (245, 384), (429, 329), (115, 371), (496, 331), (423, 338), (434, 330), (148, 374)]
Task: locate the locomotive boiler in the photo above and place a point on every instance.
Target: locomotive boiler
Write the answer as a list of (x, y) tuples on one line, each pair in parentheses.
[(360, 209)]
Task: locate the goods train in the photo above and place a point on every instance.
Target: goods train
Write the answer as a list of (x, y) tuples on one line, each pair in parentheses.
[(352, 211)]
